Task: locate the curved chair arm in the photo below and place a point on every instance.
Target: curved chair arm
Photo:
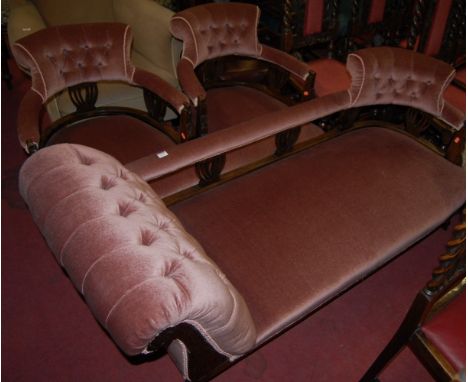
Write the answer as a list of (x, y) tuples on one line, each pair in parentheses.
[(28, 121), (189, 82), (300, 71), (163, 89), (452, 115)]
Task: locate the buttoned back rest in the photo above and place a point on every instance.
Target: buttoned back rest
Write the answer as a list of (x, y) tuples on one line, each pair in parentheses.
[(63, 56), (398, 76), (216, 30), (137, 267)]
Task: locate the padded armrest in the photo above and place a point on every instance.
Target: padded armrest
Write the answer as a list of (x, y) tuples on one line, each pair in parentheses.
[(136, 266), (299, 70), (189, 81), (28, 121), (158, 86), (243, 134)]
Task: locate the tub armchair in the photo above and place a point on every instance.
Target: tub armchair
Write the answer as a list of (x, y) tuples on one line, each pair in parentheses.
[(72, 59), (153, 49), (227, 73)]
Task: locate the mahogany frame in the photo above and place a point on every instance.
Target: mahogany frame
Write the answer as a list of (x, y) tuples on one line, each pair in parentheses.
[(84, 97)]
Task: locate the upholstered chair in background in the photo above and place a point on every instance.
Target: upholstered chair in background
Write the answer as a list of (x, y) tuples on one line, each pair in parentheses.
[(225, 89), (76, 57), (153, 48)]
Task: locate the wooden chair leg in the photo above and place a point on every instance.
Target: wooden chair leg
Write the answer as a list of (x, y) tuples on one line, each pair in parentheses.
[(399, 340)]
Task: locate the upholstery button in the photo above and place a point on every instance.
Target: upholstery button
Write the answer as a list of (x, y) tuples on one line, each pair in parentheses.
[(171, 268), (147, 238), (107, 183), (122, 175), (163, 226), (86, 161), (187, 255), (125, 209)]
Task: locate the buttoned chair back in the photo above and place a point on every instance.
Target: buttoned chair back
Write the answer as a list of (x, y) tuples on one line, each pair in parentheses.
[(73, 58), (74, 54)]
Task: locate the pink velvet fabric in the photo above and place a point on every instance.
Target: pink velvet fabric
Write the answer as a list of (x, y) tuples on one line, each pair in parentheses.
[(125, 138), (213, 30), (331, 76), (63, 56), (138, 269), (387, 75), (292, 235)]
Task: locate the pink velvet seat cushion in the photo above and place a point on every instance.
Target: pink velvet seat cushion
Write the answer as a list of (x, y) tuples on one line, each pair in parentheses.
[(123, 137), (293, 235), (331, 76), (447, 332), (228, 106)]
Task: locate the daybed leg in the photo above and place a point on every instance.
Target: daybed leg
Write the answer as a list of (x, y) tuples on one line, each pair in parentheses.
[(204, 362)]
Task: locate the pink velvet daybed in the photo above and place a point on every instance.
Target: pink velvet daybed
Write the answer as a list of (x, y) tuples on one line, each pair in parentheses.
[(214, 276)]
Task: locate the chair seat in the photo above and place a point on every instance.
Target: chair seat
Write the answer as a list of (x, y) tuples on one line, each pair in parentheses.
[(447, 332), (123, 137), (293, 235), (231, 105), (331, 76)]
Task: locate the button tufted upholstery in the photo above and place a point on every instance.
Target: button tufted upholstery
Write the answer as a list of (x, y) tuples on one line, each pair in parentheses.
[(387, 75), (97, 52), (217, 30), (138, 269), (79, 54), (213, 30)]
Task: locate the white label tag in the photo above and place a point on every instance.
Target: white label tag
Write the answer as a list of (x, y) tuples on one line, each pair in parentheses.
[(162, 154)]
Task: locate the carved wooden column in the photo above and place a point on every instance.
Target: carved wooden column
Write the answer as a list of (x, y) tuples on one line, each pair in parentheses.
[(287, 36), (209, 170), (416, 21), (84, 96)]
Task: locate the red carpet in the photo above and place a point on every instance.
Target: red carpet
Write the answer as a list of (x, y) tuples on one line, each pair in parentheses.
[(50, 335)]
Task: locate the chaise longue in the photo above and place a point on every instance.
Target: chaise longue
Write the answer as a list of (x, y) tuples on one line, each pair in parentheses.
[(212, 274)]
